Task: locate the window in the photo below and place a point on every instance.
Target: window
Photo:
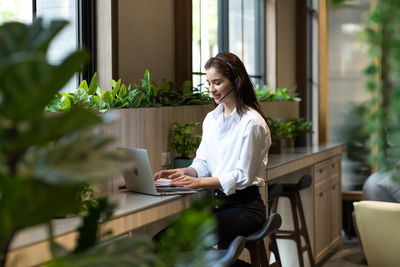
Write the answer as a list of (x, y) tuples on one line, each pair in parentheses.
[(236, 26), (78, 33)]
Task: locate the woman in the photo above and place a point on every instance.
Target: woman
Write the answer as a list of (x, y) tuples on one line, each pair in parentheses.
[(233, 154)]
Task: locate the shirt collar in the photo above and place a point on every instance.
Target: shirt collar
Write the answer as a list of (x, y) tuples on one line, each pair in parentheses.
[(218, 111)]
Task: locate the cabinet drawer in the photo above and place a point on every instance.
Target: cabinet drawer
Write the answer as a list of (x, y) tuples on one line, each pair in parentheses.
[(327, 169)]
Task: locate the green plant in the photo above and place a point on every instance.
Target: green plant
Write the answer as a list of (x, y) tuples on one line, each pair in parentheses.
[(195, 228), (45, 159), (281, 130), (184, 142), (279, 94), (383, 122), (302, 127), (146, 94)]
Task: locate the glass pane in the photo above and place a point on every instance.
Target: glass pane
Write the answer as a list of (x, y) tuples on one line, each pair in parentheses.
[(250, 25), (346, 80), (235, 28), (67, 41), (209, 29), (204, 35), (196, 37), (11, 10)]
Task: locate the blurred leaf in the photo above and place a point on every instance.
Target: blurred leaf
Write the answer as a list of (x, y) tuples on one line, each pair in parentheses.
[(34, 79), (22, 201), (49, 128), (75, 159)]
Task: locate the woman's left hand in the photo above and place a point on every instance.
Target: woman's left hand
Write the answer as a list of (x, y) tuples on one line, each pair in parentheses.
[(186, 181)]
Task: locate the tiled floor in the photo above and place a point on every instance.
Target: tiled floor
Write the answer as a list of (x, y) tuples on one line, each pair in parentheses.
[(350, 255)]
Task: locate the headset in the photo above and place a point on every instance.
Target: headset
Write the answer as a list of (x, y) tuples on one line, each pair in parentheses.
[(234, 81)]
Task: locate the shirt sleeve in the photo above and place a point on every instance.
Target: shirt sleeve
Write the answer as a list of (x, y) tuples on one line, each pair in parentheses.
[(254, 152)]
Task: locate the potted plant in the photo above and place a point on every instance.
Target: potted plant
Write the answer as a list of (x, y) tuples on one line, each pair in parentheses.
[(301, 129), (184, 143), (282, 134)]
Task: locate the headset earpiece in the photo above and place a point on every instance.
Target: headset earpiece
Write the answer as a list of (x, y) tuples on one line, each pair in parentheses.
[(234, 80)]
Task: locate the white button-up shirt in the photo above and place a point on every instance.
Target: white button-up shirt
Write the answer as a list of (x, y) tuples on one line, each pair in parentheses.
[(234, 149)]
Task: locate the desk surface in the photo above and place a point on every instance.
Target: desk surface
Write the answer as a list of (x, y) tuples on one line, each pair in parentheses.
[(135, 210)]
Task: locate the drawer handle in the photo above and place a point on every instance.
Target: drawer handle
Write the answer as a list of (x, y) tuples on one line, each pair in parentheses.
[(321, 170), (321, 194), (333, 165), (333, 187)]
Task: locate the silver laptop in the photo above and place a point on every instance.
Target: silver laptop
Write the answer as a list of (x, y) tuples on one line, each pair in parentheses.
[(140, 177)]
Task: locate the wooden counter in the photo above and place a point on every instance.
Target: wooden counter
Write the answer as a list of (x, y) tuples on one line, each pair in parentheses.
[(134, 210)]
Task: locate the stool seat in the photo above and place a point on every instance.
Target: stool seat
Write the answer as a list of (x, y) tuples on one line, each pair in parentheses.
[(270, 225), (303, 183)]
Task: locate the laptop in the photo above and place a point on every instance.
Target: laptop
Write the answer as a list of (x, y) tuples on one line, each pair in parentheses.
[(140, 177)]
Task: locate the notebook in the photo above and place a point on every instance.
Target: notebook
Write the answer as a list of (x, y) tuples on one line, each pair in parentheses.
[(140, 177)]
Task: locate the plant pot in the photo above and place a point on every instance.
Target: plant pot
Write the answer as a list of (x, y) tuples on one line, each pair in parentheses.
[(300, 141), (182, 162), (283, 146)]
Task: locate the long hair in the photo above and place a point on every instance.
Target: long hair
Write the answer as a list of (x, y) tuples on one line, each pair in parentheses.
[(233, 68)]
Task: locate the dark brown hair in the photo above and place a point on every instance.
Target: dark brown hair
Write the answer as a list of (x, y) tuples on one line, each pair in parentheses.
[(233, 68)]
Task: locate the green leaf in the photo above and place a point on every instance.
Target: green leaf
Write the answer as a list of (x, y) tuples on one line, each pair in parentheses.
[(37, 81), (49, 128), (107, 97), (122, 91), (93, 85), (116, 88)]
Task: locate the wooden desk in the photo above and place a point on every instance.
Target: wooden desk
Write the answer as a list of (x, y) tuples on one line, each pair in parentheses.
[(30, 245)]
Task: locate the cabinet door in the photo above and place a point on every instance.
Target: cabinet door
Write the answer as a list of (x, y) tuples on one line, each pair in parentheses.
[(322, 221), (336, 211)]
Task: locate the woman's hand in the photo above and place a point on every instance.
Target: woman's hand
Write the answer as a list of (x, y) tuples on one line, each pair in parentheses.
[(193, 182), (187, 181), (174, 173)]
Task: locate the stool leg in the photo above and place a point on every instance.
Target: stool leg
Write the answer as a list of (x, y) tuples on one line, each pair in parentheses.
[(296, 235), (263, 257), (273, 248), (254, 254), (304, 231)]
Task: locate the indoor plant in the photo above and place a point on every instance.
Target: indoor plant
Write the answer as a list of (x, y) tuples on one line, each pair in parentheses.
[(282, 135), (46, 159), (184, 142), (301, 129)]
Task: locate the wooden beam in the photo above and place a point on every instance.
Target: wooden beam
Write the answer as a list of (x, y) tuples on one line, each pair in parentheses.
[(323, 73), (183, 41)]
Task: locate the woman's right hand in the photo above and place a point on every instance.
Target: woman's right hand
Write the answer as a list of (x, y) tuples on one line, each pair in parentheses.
[(174, 173), (170, 174)]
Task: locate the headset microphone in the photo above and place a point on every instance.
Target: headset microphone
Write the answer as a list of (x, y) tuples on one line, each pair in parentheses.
[(220, 100)]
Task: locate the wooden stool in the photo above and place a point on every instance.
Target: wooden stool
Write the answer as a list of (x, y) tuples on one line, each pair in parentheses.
[(292, 191)]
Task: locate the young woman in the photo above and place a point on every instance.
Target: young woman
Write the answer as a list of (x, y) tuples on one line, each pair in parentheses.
[(233, 154)]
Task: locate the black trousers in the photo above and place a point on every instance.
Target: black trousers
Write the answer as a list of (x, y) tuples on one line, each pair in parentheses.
[(242, 213)]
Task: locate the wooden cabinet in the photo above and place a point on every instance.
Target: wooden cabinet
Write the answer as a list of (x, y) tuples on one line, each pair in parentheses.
[(327, 204)]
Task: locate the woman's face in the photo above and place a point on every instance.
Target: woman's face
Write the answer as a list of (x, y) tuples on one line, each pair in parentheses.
[(219, 85)]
